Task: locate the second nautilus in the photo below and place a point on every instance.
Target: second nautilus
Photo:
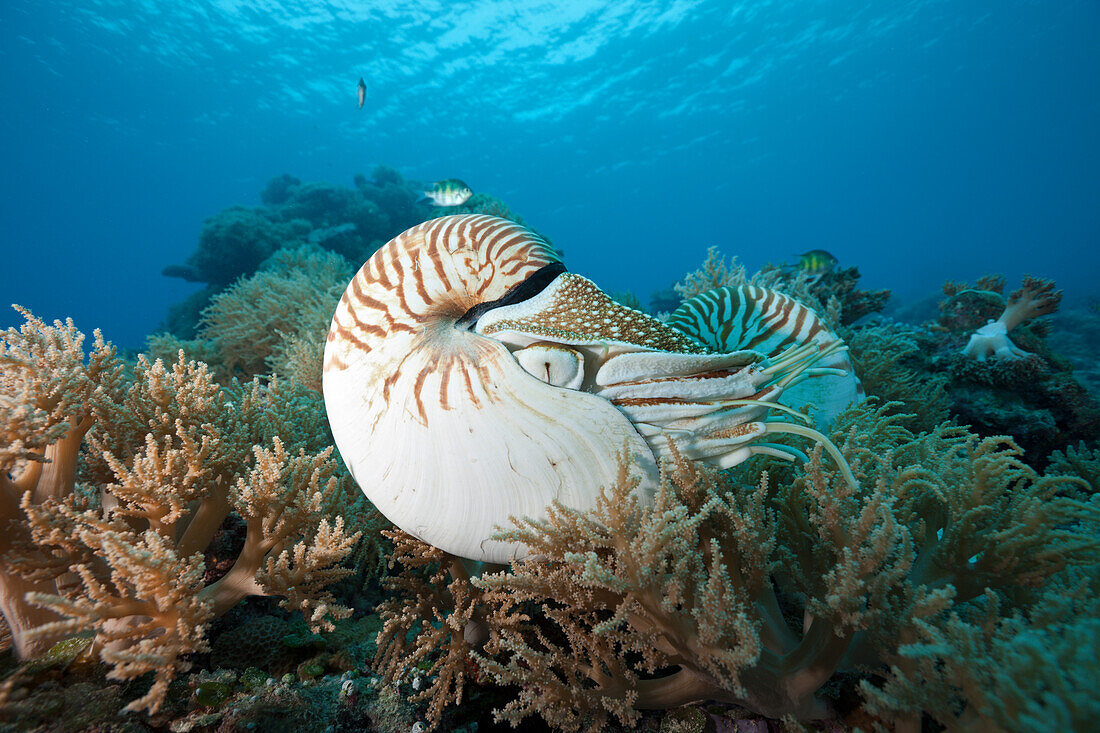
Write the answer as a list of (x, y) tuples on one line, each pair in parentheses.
[(470, 378)]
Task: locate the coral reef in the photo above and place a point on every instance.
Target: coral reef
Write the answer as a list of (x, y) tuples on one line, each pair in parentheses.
[(1034, 298), (351, 222), (833, 294), (792, 595), (855, 304), (966, 307), (1025, 389), (795, 596), (1041, 408), (115, 477), (278, 190), (274, 321), (989, 668), (257, 642), (180, 539), (234, 242), (750, 593), (398, 198), (715, 272)]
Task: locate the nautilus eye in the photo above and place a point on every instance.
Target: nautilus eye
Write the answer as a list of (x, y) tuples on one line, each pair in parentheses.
[(554, 364), (469, 379)]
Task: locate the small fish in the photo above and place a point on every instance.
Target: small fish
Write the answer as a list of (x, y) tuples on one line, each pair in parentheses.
[(451, 192), (362, 91), (816, 262)]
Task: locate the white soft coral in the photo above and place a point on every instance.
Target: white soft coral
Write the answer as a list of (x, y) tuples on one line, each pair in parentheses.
[(1036, 297)]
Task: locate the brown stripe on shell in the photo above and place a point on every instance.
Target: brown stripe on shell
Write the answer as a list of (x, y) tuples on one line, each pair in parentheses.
[(470, 388), (368, 328), (714, 374), (440, 236), (418, 277), (393, 325), (795, 335), (418, 388), (444, 382), (436, 260), (348, 335), (400, 291), (512, 264), (380, 299), (375, 268), (644, 401), (493, 240)]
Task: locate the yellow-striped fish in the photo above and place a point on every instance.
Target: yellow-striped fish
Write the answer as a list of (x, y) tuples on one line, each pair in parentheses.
[(816, 262), (449, 192)]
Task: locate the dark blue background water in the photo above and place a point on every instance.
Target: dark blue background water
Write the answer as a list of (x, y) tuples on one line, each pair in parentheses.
[(919, 140)]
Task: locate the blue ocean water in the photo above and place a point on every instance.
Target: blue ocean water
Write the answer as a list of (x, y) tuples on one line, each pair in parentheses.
[(921, 141)]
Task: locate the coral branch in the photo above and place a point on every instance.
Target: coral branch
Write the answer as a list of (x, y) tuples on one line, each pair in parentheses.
[(695, 598), (171, 454)]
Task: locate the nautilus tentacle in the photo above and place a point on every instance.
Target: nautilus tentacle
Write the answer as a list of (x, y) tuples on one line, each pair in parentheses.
[(469, 378), (747, 317)]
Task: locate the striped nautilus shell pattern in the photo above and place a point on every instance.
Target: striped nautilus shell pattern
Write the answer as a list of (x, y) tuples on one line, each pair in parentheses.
[(469, 378), (750, 317)]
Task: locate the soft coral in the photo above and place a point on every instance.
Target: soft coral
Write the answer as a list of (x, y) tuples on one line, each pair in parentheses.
[(1036, 297)]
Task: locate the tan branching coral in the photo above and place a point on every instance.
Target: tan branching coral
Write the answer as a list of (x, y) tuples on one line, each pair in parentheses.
[(274, 321), (834, 295), (674, 587), (46, 384), (169, 455), (715, 272), (142, 598), (434, 598), (1035, 297), (798, 284), (749, 593)]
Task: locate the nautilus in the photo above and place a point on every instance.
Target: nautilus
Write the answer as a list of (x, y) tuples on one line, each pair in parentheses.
[(469, 378)]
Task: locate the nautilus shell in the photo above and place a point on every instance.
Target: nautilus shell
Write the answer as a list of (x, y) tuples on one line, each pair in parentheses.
[(469, 378)]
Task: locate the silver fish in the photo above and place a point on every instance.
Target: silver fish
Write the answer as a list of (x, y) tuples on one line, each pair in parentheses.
[(449, 192)]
